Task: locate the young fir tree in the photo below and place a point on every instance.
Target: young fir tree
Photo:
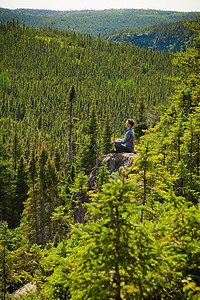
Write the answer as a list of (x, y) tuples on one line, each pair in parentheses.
[(21, 193), (140, 118), (80, 196), (153, 177), (6, 182), (106, 145), (103, 176), (89, 151), (52, 196), (33, 206), (69, 112), (16, 147), (6, 261), (57, 158), (114, 255), (42, 160)]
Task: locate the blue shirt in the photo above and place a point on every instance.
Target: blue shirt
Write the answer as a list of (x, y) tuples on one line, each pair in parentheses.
[(128, 140)]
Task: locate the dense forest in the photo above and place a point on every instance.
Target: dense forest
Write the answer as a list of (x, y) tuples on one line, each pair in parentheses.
[(63, 97), (91, 21), (164, 37)]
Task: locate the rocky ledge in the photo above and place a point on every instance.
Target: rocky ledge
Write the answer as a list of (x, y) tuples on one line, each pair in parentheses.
[(114, 161)]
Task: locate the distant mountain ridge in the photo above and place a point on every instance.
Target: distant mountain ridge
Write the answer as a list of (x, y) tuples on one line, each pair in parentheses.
[(165, 37), (91, 21)]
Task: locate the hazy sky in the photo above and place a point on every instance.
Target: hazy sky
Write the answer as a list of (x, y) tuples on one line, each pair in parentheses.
[(176, 5)]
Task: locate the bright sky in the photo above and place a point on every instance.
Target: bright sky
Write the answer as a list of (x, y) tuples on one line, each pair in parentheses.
[(176, 5)]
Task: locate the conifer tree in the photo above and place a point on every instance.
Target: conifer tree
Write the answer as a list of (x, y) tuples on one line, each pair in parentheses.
[(111, 256), (33, 206), (106, 146), (42, 160), (140, 118), (80, 196), (16, 149), (52, 195), (70, 114), (57, 159), (88, 152), (20, 196), (6, 181), (6, 263), (103, 176)]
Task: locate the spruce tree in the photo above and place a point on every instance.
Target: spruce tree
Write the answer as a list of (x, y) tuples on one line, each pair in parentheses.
[(33, 202), (21, 193), (140, 118), (114, 253), (42, 160), (16, 149), (52, 196), (70, 114), (106, 145), (6, 178), (88, 153), (6, 261)]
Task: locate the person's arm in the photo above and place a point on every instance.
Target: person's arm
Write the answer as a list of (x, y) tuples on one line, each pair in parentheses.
[(125, 139)]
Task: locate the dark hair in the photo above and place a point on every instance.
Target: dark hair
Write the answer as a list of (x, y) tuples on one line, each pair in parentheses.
[(131, 122)]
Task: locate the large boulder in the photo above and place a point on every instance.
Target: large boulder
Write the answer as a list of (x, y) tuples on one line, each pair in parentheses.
[(24, 290), (113, 161)]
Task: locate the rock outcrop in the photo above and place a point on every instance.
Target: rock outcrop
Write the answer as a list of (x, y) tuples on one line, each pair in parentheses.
[(114, 161), (23, 291)]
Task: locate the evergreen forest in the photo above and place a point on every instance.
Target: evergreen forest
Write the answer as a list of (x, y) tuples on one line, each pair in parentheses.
[(64, 96), (173, 37), (93, 22)]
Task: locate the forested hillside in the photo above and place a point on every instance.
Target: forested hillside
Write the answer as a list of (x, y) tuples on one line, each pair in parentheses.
[(38, 67), (91, 21), (164, 37), (63, 97)]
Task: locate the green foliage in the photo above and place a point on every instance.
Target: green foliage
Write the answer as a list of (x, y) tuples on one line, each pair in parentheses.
[(139, 237), (6, 182), (173, 36), (69, 112), (117, 257), (89, 150), (20, 194), (93, 22), (140, 118), (106, 145), (45, 63), (103, 176), (6, 261)]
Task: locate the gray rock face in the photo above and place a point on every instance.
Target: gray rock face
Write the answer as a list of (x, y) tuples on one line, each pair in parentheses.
[(114, 161), (29, 287)]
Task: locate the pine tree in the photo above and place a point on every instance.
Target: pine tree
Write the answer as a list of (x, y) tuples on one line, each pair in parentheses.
[(88, 152), (80, 196), (33, 205), (70, 114), (57, 159), (21, 190), (52, 196), (106, 146), (42, 160), (103, 176), (140, 118), (16, 149), (111, 260), (6, 261), (6, 181)]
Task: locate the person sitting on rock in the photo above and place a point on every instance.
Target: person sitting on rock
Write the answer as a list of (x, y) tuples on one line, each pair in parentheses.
[(127, 143)]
